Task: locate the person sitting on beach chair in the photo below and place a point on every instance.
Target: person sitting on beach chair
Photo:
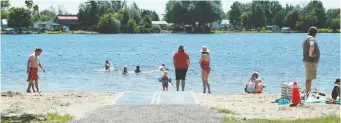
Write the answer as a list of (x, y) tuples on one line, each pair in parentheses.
[(254, 85)]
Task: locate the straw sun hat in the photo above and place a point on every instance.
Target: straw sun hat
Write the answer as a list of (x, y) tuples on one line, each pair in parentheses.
[(204, 49)]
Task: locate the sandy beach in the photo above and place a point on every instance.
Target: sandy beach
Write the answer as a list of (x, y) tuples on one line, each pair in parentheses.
[(75, 104), (78, 104), (259, 106)]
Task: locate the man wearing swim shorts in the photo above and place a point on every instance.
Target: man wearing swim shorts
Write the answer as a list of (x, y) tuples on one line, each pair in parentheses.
[(32, 69), (311, 57), (181, 63)]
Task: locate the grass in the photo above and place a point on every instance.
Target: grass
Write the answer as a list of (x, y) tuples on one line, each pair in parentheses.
[(225, 111), (51, 118), (219, 31), (328, 119)]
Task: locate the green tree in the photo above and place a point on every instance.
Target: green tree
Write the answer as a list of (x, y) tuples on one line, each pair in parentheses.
[(307, 20), (246, 20), (19, 17), (291, 18), (47, 15), (235, 13), (317, 6), (132, 26), (29, 4), (109, 24), (258, 15), (4, 14), (155, 16), (279, 18), (332, 14), (335, 24), (134, 12), (5, 4)]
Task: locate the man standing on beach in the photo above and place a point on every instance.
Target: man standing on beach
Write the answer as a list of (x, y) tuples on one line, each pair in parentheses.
[(181, 63), (311, 57), (32, 69)]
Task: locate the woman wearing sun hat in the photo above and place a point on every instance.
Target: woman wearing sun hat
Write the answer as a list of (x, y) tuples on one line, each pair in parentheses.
[(205, 68)]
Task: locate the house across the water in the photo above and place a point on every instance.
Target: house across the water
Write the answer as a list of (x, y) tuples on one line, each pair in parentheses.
[(162, 24), (71, 21), (286, 30), (45, 25)]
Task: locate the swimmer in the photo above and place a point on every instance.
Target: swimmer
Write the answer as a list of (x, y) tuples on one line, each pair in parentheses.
[(125, 70), (107, 65), (163, 68), (137, 69)]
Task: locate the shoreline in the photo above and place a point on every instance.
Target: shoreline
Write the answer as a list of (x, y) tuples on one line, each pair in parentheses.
[(78, 104)]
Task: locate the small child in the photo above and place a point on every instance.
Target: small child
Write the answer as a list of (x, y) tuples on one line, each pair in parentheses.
[(336, 90), (165, 81)]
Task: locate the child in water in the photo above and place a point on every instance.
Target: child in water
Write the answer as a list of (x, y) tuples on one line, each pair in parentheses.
[(165, 81)]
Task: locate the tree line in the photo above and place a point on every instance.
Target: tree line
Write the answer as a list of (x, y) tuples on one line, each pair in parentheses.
[(258, 14), (115, 16)]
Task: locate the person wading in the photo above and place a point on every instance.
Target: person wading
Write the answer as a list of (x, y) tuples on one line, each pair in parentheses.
[(181, 63), (32, 69)]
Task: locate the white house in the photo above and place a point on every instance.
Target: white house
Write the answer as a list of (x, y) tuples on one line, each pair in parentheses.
[(162, 24), (4, 24), (44, 25)]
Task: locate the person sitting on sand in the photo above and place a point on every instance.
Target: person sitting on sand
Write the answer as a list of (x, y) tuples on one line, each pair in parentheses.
[(336, 90), (255, 84), (125, 70), (137, 69), (107, 65)]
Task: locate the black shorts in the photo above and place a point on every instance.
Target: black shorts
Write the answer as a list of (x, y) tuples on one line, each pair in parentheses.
[(180, 74)]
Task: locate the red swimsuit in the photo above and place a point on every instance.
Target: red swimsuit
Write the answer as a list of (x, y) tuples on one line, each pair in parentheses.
[(205, 65)]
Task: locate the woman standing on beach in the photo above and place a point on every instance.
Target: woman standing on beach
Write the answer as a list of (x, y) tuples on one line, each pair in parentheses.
[(205, 68)]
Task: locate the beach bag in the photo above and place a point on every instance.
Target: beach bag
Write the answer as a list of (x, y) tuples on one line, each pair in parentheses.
[(286, 90)]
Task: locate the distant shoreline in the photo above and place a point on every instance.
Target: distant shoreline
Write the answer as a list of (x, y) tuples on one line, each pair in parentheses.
[(168, 32)]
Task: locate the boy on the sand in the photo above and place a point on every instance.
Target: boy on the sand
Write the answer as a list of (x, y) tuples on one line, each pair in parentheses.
[(336, 89), (32, 69)]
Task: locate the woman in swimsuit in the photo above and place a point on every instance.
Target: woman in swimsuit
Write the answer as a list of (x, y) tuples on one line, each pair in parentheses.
[(205, 66)]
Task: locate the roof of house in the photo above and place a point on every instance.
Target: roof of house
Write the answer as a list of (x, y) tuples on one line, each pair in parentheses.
[(159, 22), (67, 17)]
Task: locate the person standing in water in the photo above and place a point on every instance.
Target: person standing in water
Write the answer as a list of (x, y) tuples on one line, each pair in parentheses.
[(311, 57), (137, 69), (125, 70), (181, 63), (33, 64), (205, 68), (107, 65)]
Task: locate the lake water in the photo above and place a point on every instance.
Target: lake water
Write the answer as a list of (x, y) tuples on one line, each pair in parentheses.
[(76, 62)]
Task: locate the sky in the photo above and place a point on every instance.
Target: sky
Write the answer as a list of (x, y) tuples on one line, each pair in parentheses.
[(71, 6)]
